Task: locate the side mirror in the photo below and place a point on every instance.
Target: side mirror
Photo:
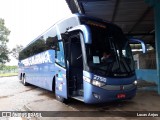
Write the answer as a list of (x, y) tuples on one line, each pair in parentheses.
[(86, 32), (144, 47)]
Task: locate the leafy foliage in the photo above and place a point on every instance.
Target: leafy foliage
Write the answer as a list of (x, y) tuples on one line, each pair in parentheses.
[(4, 32), (8, 69), (15, 51)]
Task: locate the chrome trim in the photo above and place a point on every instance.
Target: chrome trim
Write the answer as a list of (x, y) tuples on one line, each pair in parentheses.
[(118, 87)]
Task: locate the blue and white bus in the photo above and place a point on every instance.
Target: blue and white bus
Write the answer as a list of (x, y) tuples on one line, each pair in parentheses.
[(67, 59)]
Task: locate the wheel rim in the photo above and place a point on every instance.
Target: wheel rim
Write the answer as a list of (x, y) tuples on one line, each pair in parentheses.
[(24, 80)]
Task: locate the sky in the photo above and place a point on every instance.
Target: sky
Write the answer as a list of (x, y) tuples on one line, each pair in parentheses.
[(27, 19)]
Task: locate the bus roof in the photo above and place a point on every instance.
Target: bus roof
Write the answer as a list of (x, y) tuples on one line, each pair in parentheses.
[(78, 16)]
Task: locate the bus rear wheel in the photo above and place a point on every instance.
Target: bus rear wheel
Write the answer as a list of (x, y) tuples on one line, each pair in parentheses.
[(24, 81)]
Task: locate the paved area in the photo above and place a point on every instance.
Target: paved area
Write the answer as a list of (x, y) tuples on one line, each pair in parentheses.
[(16, 97)]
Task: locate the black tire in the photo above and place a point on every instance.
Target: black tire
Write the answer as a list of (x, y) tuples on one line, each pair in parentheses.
[(20, 77), (53, 85), (24, 81), (61, 99)]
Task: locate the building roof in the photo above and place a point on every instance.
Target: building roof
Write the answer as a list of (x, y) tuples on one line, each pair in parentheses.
[(135, 17)]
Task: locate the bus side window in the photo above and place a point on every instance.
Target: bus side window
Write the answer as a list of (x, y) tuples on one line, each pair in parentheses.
[(51, 43), (60, 54), (51, 39)]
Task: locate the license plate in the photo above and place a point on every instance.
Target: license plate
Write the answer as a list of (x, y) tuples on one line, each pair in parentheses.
[(121, 96)]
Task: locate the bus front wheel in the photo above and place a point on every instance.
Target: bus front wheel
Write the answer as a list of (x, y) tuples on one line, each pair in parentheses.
[(61, 99)]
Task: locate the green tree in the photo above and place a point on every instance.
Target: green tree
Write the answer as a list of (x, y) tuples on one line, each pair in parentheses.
[(7, 69), (15, 51), (4, 52)]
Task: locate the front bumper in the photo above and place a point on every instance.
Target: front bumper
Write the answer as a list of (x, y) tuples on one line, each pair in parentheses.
[(94, 94)]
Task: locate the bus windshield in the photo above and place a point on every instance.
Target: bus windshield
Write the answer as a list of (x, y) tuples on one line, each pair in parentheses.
[(109, 54)]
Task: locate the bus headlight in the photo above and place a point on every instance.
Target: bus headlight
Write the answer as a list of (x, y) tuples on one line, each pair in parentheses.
[(98, 83)]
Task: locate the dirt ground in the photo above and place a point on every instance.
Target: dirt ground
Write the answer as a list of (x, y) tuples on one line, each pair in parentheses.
[(16, 97)]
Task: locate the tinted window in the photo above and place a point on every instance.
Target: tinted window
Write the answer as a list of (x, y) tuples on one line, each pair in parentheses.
[(60, 59), (109, 54), (45, 42)]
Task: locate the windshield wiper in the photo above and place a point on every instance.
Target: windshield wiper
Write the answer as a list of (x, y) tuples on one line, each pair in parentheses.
[(122, 64), (112, 44), (126, 65)]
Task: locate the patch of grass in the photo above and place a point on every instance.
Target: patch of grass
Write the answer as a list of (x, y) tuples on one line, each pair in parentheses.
[(8, 74)]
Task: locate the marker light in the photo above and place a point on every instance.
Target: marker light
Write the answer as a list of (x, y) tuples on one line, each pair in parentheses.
[(97, 96), (135, 82)]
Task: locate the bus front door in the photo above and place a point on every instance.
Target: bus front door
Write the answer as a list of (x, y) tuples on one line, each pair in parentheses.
[(75, 69), (61, 91)]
